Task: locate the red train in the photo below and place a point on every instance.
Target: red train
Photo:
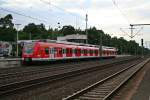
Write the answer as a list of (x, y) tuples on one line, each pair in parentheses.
[(48, 51)]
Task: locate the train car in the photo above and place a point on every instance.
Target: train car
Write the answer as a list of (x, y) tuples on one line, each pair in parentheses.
[(47, 51), (109, 52)]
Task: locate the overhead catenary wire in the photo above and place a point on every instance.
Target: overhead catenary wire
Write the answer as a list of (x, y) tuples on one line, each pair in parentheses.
[(132, 35), (24, 15), (124, 16), (75, 15), (138, 32), (125, 32)]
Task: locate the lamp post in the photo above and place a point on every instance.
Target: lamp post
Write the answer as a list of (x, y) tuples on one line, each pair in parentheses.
[(86, 20), (17, 40), (142, 48), (101, 37)]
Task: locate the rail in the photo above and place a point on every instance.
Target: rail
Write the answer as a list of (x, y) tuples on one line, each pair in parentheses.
[(104, 89), (10, 87)]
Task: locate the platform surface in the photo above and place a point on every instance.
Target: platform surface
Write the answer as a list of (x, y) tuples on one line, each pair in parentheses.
[(143, 91)]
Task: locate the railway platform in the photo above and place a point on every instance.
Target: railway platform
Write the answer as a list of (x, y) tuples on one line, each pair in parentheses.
[(9, 59), (143, 85), (9, 62)]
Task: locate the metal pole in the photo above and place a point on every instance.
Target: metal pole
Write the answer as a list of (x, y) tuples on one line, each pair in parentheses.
[(101, 44), (131, 31), (142, 48), (86, 28), (17, 43), (142, 52), (17, 40)]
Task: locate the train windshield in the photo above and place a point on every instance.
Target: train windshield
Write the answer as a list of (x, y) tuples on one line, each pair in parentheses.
[(28, 48)]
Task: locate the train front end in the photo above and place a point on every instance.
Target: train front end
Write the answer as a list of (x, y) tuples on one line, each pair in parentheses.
[(28, 52)]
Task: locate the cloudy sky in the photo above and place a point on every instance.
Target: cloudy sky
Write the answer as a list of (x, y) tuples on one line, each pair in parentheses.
[(109, 15)]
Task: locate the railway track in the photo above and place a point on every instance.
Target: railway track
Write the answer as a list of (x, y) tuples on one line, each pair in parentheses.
[(23, 69), (31, 69), (104, 89), (6, 89), (37, 70), (16, 75)]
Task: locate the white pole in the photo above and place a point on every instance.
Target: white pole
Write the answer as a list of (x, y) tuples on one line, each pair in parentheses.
[(17, 39), (86, 28)]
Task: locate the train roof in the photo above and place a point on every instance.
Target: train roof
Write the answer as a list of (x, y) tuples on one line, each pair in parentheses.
[(68, 44), (65, 45)]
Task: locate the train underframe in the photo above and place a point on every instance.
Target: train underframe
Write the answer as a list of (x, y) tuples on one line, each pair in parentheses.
[(31, 61)]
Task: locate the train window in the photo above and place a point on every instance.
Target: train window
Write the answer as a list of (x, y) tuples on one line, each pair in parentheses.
[(64, 51), (75, 51), (28, 48), (91, 51), (104, 52), (88, 51), (67, 51), (82, 51), (70, 51), (47, 50), (113, 52), (52, 50), (79, 50), (109, 52), (85, 51), (60, 51), (55, 50), (96, 51)]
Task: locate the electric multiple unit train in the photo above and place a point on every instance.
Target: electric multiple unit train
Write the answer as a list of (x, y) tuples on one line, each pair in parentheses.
[(49, 51)]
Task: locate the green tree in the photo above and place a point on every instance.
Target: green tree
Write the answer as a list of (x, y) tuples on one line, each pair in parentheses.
[(7, 32), (36, 31), (6, 22), (68, 30)]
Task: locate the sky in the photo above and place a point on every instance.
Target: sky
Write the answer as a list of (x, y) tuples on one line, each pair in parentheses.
[(112, 16)]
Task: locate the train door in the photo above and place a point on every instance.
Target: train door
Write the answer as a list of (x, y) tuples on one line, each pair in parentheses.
[(64, 52), (73, 53), (60, 53), (51, 53)]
